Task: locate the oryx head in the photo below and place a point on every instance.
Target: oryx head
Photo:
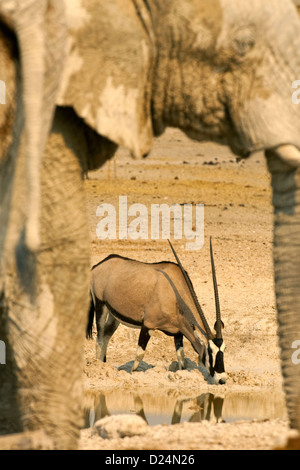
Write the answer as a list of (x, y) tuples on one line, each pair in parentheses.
[(213, 356)]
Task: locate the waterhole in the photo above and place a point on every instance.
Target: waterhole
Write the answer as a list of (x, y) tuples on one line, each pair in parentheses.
[(167, 409)]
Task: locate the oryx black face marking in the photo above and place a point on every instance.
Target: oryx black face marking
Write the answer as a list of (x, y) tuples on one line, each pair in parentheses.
[(219, 364), (216, 349), (219, 359)]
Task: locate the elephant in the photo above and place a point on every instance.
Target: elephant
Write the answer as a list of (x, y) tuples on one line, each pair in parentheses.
[(82, 78)]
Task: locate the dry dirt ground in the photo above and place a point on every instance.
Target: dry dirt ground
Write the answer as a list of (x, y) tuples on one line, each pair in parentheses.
[(238, 215)]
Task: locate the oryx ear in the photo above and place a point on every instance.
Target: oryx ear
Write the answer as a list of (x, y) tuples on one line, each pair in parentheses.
[(107, 77), (215, 325)]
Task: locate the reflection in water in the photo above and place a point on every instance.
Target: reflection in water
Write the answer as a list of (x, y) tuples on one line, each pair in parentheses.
[(165, 409), (206, 403)]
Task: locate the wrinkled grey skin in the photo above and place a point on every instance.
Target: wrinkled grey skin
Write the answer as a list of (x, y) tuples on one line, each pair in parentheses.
[(38, 388), (220, 70)]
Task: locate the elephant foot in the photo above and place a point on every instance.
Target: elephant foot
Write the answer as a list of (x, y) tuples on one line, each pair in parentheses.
[(31, 440)]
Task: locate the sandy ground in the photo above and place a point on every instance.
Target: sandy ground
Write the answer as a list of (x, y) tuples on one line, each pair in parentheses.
[(238, 215)]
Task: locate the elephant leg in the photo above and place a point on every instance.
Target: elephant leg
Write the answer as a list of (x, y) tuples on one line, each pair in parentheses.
[(65, 269), (286, 200), (44, 305)]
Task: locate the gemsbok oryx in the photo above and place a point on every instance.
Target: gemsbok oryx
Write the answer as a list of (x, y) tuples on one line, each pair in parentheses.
[(157, 296)]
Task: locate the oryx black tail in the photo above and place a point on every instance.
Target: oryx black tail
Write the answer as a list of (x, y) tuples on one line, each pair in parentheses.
[(89, 327)]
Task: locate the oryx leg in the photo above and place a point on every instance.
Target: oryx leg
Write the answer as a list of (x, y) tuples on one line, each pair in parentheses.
[(144, 337), (178, 340), (106, 326), (139, 408), (177, 413)]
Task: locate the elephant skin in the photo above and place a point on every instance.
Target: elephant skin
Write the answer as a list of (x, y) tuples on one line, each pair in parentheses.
[(126, 70)]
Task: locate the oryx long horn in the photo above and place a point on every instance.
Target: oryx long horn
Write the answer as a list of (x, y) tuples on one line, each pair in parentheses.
[(218, 325), (193, 294)]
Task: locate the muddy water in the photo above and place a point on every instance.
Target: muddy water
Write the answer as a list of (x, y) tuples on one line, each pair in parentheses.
[(170, 410)]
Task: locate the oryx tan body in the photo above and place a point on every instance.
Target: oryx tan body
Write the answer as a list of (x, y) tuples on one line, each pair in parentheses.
[(146, 297)]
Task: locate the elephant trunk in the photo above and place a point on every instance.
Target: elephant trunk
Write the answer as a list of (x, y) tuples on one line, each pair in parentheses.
[(286, 201), (40, 76)]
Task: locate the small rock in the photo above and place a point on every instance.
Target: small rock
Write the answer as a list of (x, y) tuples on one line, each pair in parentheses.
[(113, 427)]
